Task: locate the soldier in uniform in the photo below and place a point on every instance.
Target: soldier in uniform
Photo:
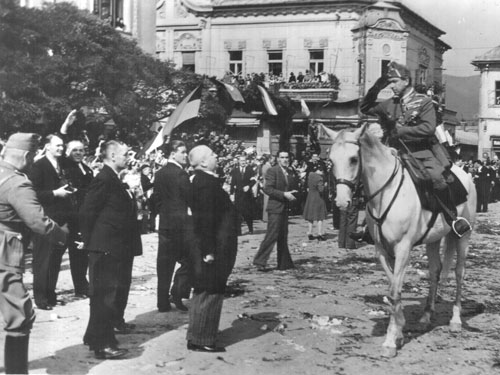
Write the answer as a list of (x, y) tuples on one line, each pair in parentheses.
[(410, 117), (20, 212)]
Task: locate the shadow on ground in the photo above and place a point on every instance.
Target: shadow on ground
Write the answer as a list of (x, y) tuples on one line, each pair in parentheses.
[(148, 326)]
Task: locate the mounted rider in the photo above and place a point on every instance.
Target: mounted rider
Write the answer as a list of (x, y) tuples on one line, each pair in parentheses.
[(409, 123)]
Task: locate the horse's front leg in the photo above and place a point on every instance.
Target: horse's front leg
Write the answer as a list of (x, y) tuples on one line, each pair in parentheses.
[(394, 336), (434, 260), (462, 249)]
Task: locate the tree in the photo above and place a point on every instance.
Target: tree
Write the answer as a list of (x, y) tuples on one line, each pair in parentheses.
[(58, 58)]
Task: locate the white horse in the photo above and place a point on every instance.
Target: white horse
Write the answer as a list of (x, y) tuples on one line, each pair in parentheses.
[(397, 221)]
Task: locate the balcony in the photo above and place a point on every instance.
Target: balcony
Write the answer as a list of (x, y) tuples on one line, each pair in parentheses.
[(310, 95)]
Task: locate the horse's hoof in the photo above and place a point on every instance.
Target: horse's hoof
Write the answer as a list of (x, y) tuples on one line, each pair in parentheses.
[(389, 352), (455, 327)]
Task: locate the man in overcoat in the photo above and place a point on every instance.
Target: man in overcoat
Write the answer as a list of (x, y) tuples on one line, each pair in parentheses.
[(214, 255), (111, 235)]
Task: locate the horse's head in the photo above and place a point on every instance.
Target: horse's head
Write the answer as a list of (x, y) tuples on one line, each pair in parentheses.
[(345, 157)]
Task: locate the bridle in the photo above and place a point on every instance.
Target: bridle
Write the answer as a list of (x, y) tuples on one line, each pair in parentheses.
[(355, 183)]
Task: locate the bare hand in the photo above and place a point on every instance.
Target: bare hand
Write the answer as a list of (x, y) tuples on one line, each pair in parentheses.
[(70, 119), (246, 188), (62, 192), (289, 195)]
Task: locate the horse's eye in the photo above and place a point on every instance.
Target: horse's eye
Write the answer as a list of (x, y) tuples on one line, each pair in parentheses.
[(353, 160)]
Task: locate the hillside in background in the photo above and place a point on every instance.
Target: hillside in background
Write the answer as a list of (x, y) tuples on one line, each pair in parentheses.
[(462, 95)]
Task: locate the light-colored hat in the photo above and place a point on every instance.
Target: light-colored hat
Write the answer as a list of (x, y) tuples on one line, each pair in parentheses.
[(23, 141)]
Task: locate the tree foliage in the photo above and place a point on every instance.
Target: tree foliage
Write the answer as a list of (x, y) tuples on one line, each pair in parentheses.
[(58, 58)]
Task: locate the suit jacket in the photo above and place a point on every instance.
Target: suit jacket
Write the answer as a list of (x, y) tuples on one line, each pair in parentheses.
[(172, 189), (78, 180), (216, 231), (108, 217), (483, 178), (275, 186), (46, 179)]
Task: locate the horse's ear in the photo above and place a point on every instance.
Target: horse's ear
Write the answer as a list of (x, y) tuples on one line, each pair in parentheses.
[(331, 133), (359, 131)]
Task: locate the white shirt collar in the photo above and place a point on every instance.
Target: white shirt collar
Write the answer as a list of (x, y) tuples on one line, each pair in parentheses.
[(406, 97)]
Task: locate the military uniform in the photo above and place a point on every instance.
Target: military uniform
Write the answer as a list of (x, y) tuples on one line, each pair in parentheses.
[(412, 119), (20, 213)]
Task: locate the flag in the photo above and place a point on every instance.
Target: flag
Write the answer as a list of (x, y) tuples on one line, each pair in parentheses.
[(186, 110), (304, 108), (233, 92), (268, 103), (228, 95)]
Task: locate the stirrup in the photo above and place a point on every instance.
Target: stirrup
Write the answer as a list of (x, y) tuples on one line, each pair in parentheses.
[(460, 226)]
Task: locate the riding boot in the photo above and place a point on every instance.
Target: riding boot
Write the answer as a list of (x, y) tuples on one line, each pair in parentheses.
[(458, 224), (16, 354)]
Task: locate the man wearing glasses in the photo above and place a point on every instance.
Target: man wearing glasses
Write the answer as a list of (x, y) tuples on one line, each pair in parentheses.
[(280, 185)]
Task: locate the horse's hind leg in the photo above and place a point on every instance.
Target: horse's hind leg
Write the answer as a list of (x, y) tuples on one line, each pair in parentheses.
[(462, 246), (394, 337), (434, 259)]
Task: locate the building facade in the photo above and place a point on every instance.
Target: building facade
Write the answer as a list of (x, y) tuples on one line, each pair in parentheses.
[(489, 103), (135, 18), (353, 40)]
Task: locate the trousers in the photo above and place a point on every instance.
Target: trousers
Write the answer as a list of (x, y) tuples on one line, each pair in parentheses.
[(204, 318), (15, 304)]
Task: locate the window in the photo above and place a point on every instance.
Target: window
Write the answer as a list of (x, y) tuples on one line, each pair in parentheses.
[(316, 61), (188, 61), (236, 62), (497, 92), (422, 75), (111, 10), (384, 67), (275, 60)]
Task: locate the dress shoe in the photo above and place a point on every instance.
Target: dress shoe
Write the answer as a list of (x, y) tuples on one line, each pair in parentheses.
[(310, 237), (124, 328), (362, 236), (110, 353), (44, 306), (179, 305), (262, 269), (205, 348), (321, 238), (166, 308)]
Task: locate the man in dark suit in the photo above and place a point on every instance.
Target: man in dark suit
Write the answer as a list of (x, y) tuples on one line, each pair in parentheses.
[(483, 179), (111, 234), (53, 193), (280, 185), (213, 257), (241, 187), (172, 188), (79, 175)]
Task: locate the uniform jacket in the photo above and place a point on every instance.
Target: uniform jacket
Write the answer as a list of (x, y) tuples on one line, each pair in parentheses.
[(108, 217), (216, 229), (275, 186), (414, 112), (46, 179), (172, 189), (20, 213)]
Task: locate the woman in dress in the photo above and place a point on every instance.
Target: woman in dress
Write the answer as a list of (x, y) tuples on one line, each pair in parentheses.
[(315, 207)]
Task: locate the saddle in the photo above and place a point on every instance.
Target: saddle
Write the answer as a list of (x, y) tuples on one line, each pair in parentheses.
[(423, 184)]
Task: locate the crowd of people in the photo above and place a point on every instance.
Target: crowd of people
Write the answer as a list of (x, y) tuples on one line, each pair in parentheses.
[(199, 192)]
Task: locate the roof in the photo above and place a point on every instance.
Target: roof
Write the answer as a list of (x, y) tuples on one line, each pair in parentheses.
[(492, 55)]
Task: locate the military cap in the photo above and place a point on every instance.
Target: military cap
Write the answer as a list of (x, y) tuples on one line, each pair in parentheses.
[(23, 141), (396, 70)]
